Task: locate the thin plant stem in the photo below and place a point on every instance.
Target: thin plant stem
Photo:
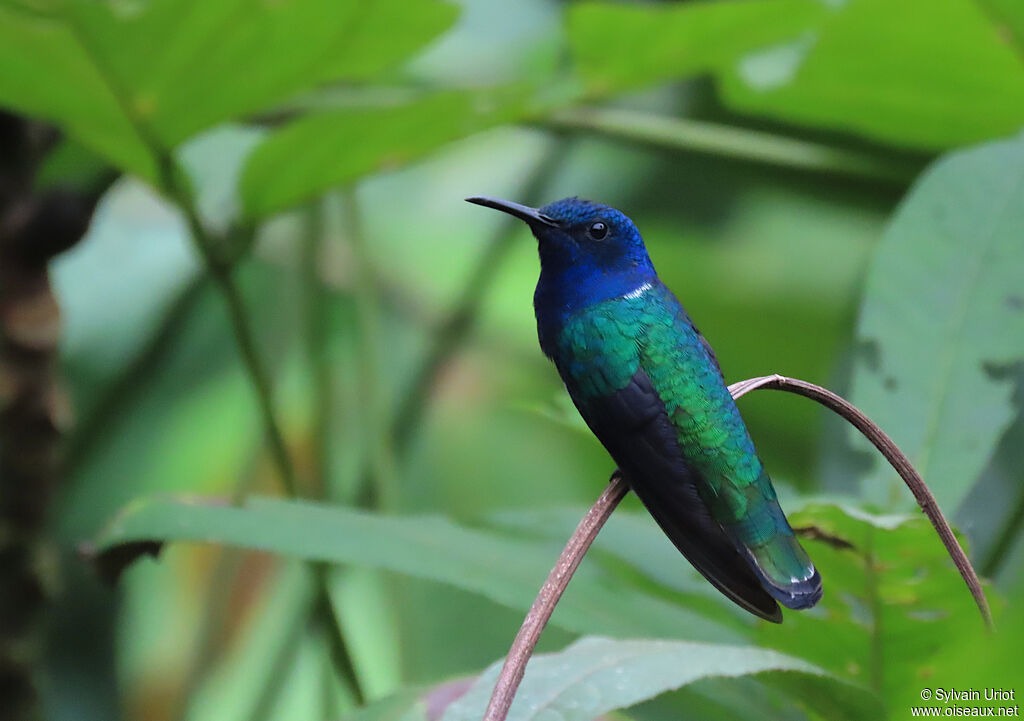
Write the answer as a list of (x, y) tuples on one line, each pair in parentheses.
[(220, 272), (733, 142), (880, 440), (261, 385), (316, 333), (552, 590), (323, 394), (336, 644), (540, 612), (172, 181), (382, 465)]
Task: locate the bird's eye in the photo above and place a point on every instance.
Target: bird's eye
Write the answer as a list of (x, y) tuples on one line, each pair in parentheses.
[(597, 231)]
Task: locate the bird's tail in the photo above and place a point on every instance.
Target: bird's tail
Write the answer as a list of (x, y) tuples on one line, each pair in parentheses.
[(766, 539), (786, 572)]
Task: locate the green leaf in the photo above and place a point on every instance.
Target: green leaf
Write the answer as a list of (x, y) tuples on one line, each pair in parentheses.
[(45, 72), (1008, 16), (331, 148), (630, 537), (506, 571), (186, 66), (127, 80), (596, 675), (326, 149), (980, 661), (942, 322), (923, 74), (622, 46), (893, 603)]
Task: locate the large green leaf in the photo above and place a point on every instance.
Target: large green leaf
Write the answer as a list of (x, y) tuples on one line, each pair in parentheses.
[(45, 71), (630, 537), (1008, 16), (122, 78), (621, 46), (334, 147), (597, 675), (331, 148), (942, 322), (893, 604), (920, 73), (186, 66), (504, 570)]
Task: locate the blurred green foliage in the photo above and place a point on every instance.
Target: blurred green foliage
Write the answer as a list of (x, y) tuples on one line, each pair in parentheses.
[(323, 149)]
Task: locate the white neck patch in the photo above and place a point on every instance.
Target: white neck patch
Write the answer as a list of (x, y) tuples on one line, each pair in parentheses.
[(637, 292)]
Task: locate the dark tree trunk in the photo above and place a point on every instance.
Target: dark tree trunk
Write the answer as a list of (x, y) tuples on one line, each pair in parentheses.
[(35, 225)]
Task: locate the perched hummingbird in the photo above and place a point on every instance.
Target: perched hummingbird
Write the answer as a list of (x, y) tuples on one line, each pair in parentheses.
[(649, 386)]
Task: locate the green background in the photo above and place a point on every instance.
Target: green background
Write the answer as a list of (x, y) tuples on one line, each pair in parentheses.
[(833, 189)]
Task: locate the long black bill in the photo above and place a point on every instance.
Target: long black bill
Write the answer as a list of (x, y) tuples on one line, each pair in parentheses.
[(523, 212)]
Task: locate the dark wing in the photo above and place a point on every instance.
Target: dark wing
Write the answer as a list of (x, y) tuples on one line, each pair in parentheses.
[(635, 428)]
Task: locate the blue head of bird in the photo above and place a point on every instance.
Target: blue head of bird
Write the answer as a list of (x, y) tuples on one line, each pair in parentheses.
[(589, 252)]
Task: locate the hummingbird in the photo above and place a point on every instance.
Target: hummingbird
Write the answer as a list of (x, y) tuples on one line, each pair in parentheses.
[(649, 386)]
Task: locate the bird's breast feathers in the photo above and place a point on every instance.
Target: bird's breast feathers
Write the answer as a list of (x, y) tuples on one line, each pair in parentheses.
[(600, 348)]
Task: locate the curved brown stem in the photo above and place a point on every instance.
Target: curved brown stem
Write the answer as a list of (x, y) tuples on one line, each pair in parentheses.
[(880, 440), (542, 608), (540, 612)]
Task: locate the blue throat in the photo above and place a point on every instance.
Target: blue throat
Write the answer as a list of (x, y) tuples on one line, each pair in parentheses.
[(571, 281), (564, 291)]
